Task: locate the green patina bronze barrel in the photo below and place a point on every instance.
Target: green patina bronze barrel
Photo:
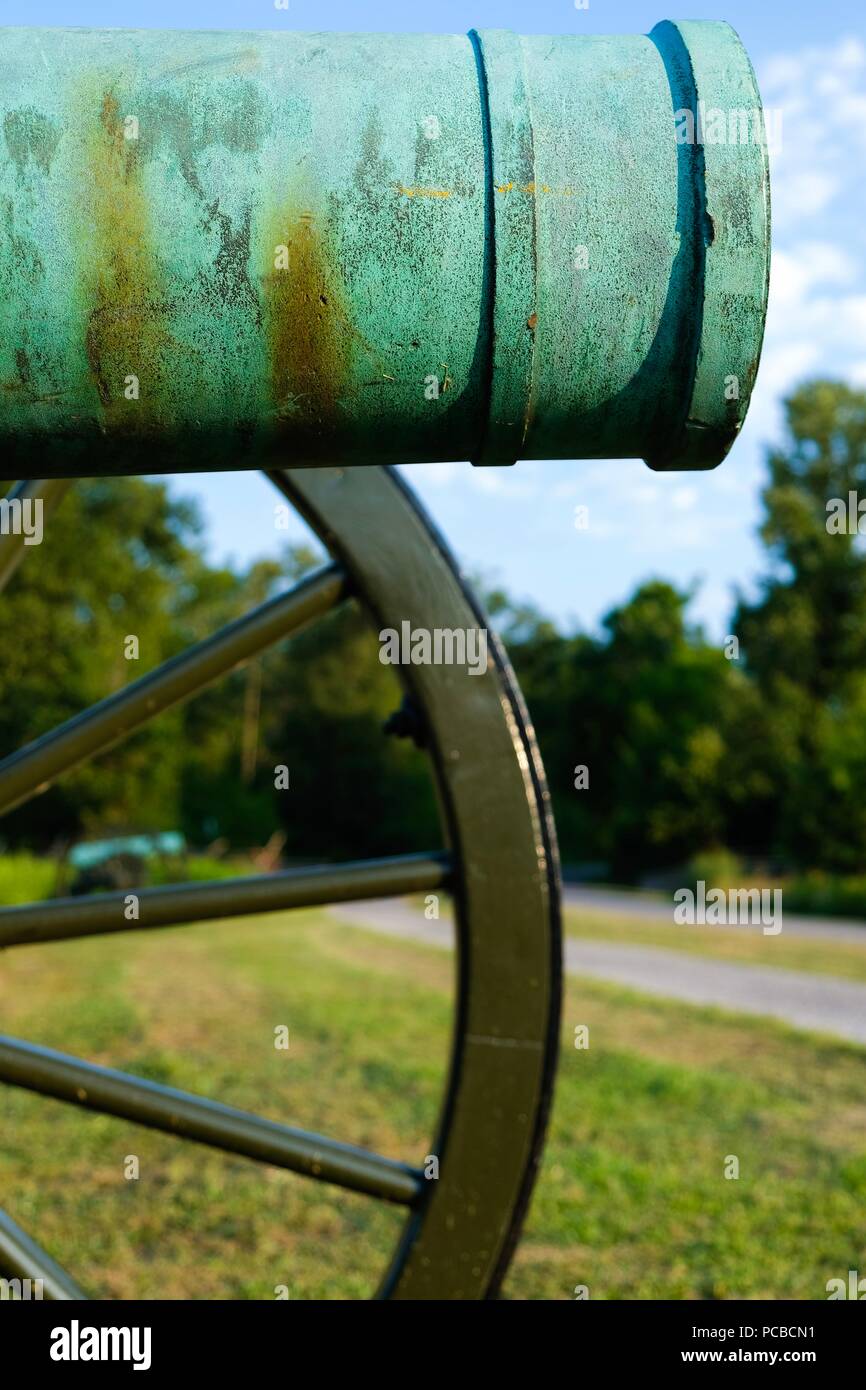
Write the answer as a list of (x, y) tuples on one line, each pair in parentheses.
[(242, 250)]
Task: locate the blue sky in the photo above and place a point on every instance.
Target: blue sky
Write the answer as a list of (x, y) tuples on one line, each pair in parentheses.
[(516, 525)]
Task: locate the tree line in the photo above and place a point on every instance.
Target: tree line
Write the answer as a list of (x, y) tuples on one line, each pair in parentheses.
[(658, 746)]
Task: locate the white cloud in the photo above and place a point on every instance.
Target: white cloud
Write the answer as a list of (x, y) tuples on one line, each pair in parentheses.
[(642, 494), (794, 273), (440, 474), (802, 193), (816, 317), (684, 499), (821, 93), (509, 484), (568, 488)]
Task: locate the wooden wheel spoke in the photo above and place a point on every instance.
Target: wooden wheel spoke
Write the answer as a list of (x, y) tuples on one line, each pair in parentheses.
[(34, 768), (179, 904), (205, 1121)]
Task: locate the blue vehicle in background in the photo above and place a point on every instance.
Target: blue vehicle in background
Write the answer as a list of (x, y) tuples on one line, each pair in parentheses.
[(121, 862)]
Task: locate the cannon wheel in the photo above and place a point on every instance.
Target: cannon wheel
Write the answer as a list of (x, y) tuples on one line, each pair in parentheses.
[(500, 866)]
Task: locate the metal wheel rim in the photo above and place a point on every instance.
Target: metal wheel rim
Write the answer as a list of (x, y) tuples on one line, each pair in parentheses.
[(503, 872), (502, 1055)]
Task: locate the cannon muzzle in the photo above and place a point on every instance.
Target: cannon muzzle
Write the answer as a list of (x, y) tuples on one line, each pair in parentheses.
[(244, 250)]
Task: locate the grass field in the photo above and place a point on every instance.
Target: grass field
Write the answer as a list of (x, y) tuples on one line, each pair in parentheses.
[(632, 1200), (745, 945)]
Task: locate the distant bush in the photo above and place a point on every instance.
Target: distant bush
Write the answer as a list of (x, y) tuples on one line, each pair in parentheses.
[(830, 895), (196, 869), (718, 868), (814, 892), (26, 878)]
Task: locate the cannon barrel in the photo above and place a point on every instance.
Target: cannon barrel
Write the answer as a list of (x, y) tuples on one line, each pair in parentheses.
[(243, 250)]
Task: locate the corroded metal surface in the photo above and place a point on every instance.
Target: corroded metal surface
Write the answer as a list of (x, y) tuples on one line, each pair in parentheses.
[(226, 250)]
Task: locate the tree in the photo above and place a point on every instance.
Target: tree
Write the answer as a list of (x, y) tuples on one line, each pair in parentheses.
[(641, 709), (119, 559), (808, 625), (804, 638), (353, 790)]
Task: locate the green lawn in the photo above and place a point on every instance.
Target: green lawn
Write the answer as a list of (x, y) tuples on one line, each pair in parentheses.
[(632, 1199), (746, 945)]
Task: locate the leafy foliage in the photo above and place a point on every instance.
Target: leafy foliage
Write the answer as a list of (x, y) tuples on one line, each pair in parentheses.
[(685, 751)]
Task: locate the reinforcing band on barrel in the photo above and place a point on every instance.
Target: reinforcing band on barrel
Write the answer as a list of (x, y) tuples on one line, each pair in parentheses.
[(247, 250)]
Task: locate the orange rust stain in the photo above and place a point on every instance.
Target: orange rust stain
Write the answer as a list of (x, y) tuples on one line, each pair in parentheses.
[(532, 189), (308, 331), (124, 333), (424, 192)]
